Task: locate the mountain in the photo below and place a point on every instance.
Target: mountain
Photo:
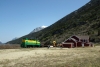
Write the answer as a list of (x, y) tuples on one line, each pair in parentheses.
[(0, 42), (38, 29), (83, 21), (15, 38)]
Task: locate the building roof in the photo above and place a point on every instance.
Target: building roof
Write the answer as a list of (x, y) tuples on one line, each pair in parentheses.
[(67, 43), (73, 39), (82, 37), (70, 39)]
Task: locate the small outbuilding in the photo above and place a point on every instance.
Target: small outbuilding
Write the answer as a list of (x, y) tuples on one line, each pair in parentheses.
[(77, 41)]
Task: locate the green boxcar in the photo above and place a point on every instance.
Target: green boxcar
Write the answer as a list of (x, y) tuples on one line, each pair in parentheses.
[(30, 43)]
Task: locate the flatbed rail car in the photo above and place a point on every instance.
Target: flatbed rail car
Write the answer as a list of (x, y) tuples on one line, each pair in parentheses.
[(30, 43)]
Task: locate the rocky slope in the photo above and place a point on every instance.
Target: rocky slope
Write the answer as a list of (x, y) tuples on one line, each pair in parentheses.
[(83, 21)]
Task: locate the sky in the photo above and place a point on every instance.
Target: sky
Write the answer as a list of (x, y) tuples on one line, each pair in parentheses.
[(20, 17)]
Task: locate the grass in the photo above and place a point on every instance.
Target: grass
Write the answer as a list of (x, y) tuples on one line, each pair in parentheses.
[(54, 57)]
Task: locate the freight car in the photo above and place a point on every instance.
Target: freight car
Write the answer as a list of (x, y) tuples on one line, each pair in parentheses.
[(30, 43)]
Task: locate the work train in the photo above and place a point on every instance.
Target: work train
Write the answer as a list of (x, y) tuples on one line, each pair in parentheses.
[(30, 43)]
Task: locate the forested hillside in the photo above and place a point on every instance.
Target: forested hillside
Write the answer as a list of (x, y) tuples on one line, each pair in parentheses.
[(83, 21)]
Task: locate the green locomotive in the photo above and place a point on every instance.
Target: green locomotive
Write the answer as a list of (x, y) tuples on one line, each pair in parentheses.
[(30, 43)]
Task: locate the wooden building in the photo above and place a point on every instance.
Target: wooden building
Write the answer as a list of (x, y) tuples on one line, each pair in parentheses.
[(77, 41)]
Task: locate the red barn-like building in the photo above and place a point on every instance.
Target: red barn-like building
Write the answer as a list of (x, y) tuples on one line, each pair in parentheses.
[(77, 41)]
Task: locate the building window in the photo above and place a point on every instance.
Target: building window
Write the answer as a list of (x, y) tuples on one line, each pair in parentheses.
[(86, 41), (81, 40)]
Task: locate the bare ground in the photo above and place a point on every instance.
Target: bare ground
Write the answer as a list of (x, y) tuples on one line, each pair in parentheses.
[(53, 57)]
